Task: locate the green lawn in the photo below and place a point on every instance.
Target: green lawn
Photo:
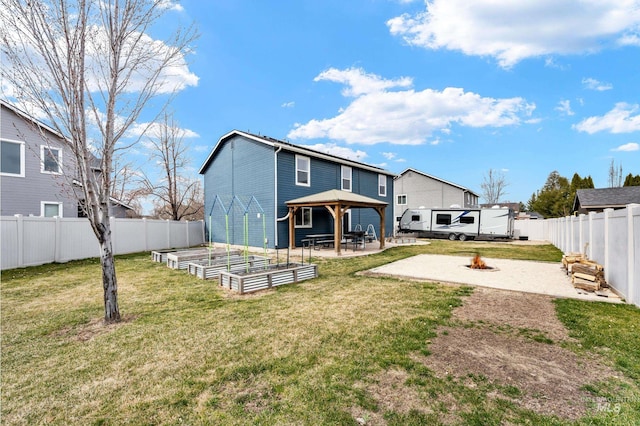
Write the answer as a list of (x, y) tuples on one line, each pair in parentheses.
[(306, 354)]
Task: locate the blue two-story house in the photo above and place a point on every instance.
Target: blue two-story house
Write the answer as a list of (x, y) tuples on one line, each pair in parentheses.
[(249, 179)]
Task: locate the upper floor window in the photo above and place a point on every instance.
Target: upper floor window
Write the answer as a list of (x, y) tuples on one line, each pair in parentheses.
[(303, 217), (50, 160), (382, 185), (346, 178), (11, 158), (303, 170), (50, 209), (402, 200)]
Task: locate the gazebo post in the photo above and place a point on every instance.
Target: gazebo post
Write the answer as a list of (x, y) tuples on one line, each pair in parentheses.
[(337, 229), (292, 227), (382, 226)]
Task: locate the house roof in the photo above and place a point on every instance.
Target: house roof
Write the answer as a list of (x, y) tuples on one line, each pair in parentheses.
[(337, 196), (30, 118), (606, 197), (287, 146), (436, 178)]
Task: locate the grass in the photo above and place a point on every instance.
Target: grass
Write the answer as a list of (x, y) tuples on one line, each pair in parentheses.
[(320, 352)]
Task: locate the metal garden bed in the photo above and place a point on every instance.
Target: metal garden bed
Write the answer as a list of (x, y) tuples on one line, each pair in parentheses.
[(264, 278), (205, 269)]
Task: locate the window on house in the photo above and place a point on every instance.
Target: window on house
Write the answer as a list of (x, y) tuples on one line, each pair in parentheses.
[(303, 171), (443, 219), (11, 158), (402, 200), (346, 178), (382, 185), (303, 217), (50, 160), (50, 209)]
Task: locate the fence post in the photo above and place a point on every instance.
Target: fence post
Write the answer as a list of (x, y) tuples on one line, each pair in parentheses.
[(57, 235), (591, 215), (20, 237), (630, 253), (187, 225), (581, 234), (145, 233), (607, 219), (168, 233)]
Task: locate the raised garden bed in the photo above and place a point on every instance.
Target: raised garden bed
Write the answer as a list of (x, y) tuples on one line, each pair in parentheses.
[(273, 276), (181, 259), (206, 269), (160, 256)]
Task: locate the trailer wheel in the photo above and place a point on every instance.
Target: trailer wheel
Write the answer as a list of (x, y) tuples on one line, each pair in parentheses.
[(452, 237), (462, 237)]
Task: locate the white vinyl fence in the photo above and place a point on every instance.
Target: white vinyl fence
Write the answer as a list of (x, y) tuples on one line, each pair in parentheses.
[(28, 240), (611, 238)]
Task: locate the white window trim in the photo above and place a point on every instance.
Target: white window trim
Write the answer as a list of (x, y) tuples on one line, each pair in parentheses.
[(42, 151), (22, 159), (398, 199), (308, 183), (343, 177), (43, 203), (301, 210), (382, 178)]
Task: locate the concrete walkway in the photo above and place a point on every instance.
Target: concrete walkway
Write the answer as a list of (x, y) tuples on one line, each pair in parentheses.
[(517, 275)]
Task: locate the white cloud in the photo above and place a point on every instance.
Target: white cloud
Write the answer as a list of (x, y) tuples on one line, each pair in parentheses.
[(389, 155), (405, 117), (288, 104), (593, 84), (338, 151), (619, 120), (627, 147), (564, 107), (511, 31), (358, 82), (149, 129)]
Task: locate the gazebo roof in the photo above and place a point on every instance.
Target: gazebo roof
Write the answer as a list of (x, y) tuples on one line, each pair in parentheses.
[(335, 196)]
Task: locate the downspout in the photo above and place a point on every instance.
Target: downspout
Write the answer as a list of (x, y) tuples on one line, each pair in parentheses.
[(275, 204)]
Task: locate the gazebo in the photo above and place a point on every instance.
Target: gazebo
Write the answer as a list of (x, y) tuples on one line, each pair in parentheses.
[(337, 203)]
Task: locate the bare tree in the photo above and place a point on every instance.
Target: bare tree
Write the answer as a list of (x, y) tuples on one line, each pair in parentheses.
[(615, 175), (178, 197), (89, 68), (125, 184), (493, 186)]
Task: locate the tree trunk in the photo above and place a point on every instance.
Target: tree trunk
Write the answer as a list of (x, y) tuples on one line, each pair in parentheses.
[(109, 281)]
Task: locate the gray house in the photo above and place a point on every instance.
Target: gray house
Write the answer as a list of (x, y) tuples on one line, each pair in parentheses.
[(248, 180), (598, 199), (413, 189), (37, 169)]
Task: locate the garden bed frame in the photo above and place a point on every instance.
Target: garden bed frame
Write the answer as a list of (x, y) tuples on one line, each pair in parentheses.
[(205, 270), (273, 276), (181, 259)]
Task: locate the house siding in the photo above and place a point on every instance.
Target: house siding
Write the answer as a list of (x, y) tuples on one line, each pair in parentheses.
[(24, 195), (242, 169)]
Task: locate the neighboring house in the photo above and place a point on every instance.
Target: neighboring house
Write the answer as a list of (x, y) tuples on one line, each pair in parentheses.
[(37, 169), (413, 189), (257, 174), (598, 199)]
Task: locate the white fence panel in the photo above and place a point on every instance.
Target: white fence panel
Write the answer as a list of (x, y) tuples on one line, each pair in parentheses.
[(27, 241), (9, 249), (78, 240)]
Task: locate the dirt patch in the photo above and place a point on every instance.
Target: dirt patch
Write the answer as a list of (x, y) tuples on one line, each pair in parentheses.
[(496, 339), (521, 311), (95, 327)]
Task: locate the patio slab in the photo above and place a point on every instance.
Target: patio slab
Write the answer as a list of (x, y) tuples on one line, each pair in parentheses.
[(518, 275)]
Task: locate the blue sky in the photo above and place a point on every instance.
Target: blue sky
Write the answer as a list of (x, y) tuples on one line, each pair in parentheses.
[(449, 87)]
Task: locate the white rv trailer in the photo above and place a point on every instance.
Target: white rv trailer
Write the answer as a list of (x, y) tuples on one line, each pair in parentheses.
[(457, 223)]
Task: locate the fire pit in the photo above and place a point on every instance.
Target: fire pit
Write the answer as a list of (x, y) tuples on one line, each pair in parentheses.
[(480, 265)]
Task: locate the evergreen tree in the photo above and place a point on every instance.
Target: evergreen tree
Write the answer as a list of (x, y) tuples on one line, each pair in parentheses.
[(632, 180), (554, 199)]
